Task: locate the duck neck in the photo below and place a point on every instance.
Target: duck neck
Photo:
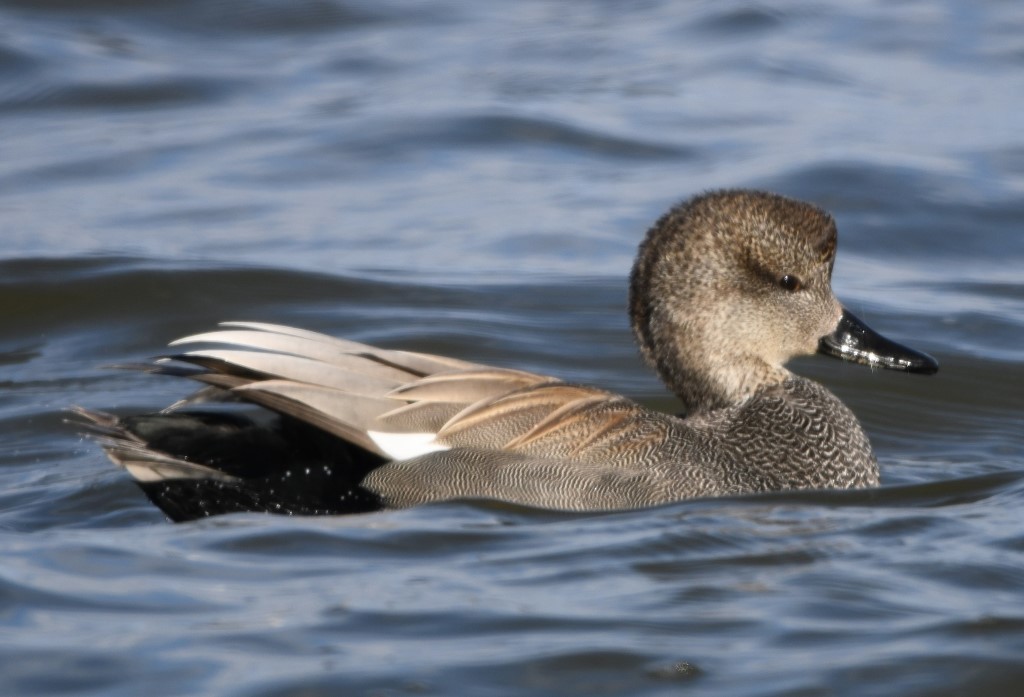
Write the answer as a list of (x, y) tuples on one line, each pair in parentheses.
[(709, 382)]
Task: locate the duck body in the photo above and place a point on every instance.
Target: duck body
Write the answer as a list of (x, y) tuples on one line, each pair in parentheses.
[(649, 458), (726, 288)]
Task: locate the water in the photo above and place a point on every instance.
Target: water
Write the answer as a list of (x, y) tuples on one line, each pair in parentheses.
[(472, 179)]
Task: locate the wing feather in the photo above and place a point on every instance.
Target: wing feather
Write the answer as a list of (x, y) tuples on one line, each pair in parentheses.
[(347, 415), (467, 386), (357, 375), (370, 396), (423, 363)]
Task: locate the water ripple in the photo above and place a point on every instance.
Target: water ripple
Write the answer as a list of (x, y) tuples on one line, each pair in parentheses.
[(472, 179)]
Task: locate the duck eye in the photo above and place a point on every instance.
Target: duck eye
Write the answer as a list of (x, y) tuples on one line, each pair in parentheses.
[(791, 283)]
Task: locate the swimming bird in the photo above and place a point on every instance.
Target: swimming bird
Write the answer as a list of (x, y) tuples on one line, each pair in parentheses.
[(726, 288)]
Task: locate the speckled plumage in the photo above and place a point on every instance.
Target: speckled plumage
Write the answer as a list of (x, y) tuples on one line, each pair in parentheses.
[(727, 287), (794, 435)]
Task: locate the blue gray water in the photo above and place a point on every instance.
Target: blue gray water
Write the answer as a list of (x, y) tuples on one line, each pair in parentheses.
[(472, 178)]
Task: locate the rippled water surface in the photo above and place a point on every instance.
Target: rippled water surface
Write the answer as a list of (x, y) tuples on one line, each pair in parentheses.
[(472, 178)]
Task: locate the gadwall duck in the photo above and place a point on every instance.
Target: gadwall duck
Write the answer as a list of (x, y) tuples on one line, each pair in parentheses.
[(727, 287)]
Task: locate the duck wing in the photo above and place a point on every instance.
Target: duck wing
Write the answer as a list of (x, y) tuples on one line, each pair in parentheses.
[(443, 428)]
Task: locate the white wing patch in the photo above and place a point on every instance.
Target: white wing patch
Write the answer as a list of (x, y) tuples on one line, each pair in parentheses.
[(143, 473), (402, 446)]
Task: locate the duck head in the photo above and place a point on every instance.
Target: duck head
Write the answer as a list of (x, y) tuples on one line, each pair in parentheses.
[(730, 285)]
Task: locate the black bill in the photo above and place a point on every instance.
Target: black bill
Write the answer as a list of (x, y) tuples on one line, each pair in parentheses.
[(854, 341)]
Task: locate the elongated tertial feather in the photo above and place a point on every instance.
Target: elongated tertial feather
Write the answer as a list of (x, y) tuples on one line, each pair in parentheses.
[(467, 386)]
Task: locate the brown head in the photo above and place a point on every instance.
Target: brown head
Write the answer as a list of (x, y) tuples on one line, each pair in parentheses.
[(727, 287)]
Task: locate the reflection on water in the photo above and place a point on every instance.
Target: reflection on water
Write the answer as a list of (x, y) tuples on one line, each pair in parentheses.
[(472, 179)]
